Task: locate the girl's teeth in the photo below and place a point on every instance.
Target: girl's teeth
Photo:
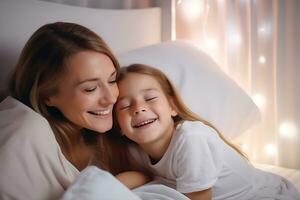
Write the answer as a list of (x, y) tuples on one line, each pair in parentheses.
[(144, 123)]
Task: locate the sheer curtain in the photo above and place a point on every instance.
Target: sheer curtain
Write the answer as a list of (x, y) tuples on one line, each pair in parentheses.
[(256, 42)]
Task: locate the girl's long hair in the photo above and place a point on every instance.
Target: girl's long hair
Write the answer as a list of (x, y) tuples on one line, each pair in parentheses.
[(41, 69), (184, 113)]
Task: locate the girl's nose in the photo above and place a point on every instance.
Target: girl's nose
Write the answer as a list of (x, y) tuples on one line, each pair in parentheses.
[(139, 110)]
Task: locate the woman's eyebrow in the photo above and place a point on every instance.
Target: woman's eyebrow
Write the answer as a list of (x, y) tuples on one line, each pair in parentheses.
[(87, 80), (94, 79), (114, 73)]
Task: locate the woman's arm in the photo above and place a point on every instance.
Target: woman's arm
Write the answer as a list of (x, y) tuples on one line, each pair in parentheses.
[(201, 195), (133, 179)]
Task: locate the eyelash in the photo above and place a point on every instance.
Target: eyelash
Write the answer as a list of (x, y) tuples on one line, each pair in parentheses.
[(113, 81), (124, 107), (90, 90), (150, 99)]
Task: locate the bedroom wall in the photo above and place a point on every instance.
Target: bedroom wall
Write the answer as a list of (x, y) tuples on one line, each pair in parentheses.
[(167, 6)]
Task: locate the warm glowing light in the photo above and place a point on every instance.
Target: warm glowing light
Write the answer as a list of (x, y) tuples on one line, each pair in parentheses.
[(288, 130), (211, 43), (235, 38), (262, 59), (192, 8), (271, 149), (262, 29), (259, 100), (245, 147), (265, 29), (179, 2)]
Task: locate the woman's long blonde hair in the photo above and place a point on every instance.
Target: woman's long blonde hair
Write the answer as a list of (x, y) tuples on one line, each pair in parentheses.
[(184, 113), (40, 70)]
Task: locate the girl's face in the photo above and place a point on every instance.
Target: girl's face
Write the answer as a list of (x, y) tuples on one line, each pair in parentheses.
[(88, 92), (143, 111)]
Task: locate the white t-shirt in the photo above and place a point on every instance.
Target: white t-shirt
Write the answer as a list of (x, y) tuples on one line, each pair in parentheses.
[(198, 159)]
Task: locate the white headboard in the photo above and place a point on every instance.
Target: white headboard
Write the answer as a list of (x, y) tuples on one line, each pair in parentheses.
[(123, 30)]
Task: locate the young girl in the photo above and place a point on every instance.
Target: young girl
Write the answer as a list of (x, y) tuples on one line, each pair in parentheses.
[(180, 149)]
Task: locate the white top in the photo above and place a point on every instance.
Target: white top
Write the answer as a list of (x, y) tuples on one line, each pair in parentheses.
[(197, 159)]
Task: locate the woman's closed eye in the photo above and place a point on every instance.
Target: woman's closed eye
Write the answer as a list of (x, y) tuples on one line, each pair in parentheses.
[(113, 81), (91, 89)]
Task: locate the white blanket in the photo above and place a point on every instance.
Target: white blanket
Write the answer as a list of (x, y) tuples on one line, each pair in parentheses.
[(95, 184)]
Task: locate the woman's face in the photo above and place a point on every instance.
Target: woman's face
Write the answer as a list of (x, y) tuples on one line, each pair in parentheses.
[(88, 91)]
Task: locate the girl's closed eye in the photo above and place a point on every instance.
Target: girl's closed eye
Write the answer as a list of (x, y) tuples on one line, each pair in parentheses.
[(151, 98), (123, 105)]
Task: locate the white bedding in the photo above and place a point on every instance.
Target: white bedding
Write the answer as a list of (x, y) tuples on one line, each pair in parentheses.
[(292, 175), (95, 184)]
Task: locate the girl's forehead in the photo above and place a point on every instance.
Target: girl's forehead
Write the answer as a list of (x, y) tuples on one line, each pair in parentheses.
[(138, 80), (134, 83)]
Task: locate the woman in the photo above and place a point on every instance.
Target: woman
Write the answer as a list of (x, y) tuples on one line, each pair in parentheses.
[(67, 74)]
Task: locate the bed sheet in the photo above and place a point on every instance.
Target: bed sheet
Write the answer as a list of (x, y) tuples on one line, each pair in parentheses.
[(292, 175)]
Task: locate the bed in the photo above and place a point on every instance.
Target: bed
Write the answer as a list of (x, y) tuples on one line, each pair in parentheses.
[(136, 36)]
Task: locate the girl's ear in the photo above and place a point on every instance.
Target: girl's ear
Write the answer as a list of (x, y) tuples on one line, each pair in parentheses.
[(174, 112)]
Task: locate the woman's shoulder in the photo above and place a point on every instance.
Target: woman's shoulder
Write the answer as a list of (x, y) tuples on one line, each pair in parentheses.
[(20, 121)]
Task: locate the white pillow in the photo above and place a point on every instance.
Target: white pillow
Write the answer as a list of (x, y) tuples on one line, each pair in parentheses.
[(205, 88)]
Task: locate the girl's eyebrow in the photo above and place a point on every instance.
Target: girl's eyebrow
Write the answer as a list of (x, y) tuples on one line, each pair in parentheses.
[(94, 79)]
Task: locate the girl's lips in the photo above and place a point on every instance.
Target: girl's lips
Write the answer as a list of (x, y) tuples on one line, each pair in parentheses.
[(144, 123)]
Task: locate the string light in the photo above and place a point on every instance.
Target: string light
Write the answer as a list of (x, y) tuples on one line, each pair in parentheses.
[(270, 149), (262, 59), (288, 130), (192, 8), (245, 147), (235, 38), (259, 100), (262, 30), (211, 43)]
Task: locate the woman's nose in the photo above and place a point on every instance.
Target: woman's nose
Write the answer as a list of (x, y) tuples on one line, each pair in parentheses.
[(109, 95)]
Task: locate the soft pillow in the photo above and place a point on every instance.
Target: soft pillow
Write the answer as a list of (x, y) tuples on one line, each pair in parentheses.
[(205, 88)]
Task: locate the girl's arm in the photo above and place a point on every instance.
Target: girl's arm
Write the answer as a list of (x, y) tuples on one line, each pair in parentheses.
[(201, 195), (133, 179)]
